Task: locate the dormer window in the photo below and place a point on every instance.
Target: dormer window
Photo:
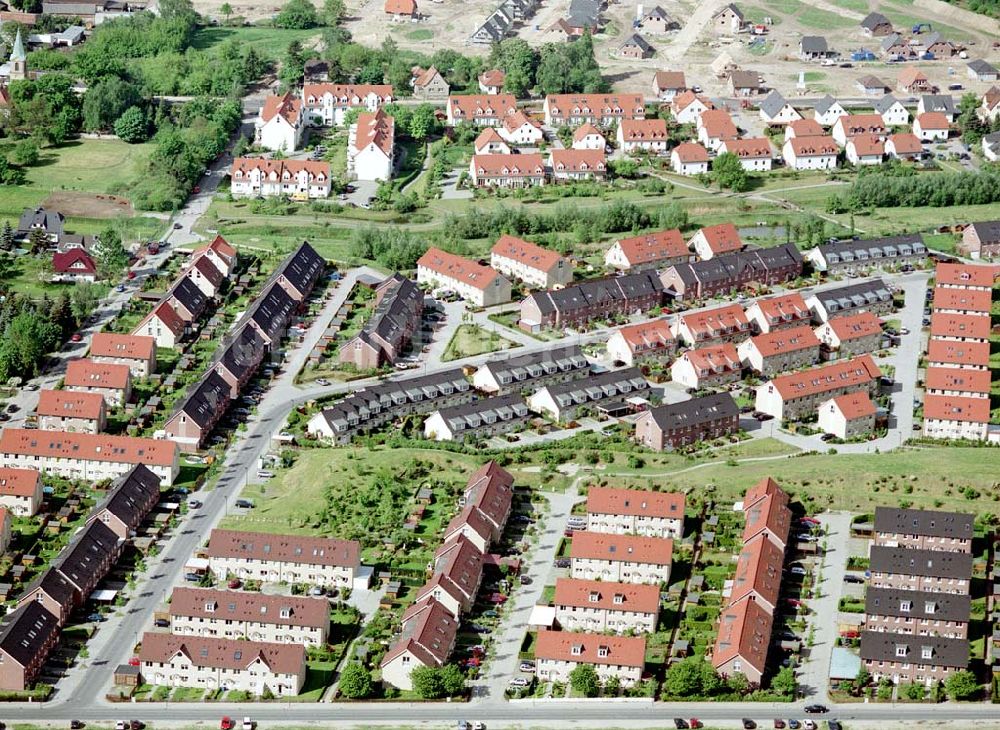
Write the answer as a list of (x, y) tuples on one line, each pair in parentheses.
[(901, 650), (619, 598), (926, 652), (905, 606), (594, 597), (603, 651), (930, 607), (576, 649), (209, 607)]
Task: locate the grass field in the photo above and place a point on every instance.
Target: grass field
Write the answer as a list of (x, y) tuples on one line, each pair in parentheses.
[(823, 20), (471, 339), (269, 42)]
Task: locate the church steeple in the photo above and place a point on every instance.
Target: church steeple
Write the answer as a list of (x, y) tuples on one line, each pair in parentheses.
[(18, 60)]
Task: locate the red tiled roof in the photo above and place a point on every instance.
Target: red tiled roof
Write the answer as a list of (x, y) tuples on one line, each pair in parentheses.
[(785, 340), (957, 408), (424, 77), (961, 379), (813, 146), (168, 316), (710, 357), (109, 344), (855, 124), (525, 252), (689, 152), (749, 148), (635, 502), (571, 646), (492, 77), (220, 246), (906, 143), (768, 514), (628, 106), (714, 320), (204, 266), (644, 130), (346, 93), (669, 80), (73, 261), (745, 632), (766, 487), (651, 247), (910, 75), (287, 106), (722, 238), (855, 405), (856, 372), (482, 106), (571, 160), (586, 129), (806, 128), (977, 275), (247, 606), (626, 548), (932, 120), (974, 326), (855, 326), (630, 597), (18, 482), (84, 372), (775, 308), (86, 446), (959, 353), (758, 570), (455, 267), (684, 99), (296, 549), (867, 146), (232, 654), (70, 404), (378, 129), (516, 120), (655, 332), (470, 516), (429, 631), (974, 300), (272, 170), (718, 124), (527, 165), (487, 136), (401, 7)]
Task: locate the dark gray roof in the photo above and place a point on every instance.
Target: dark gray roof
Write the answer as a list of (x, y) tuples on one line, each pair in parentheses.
[(873, 20), (906, 244), (55, 585), (583, 13), (81, 561), (881, 646), (537, 364), (131, 495), (884, 104), (921, 604), (814, 44), (928, 523), (469, 416), (988, 231), (51, 221), (303, 268), (891, 40), (397, 311), (272, 311), (944, 103), (872, 82), (736, 11), (189, 295), (244, 353), (26, 631), (772, 103), (637, 40), (588, 293), (824, 104), (658, 12), (854, 296), (982, 67), (207, 400), (923, 563), (611, 382), (736, 265), (694, 412)]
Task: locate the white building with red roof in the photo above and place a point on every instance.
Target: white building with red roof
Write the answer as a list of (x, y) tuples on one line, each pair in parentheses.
[(810, 153), (864, 149), (668, 84), (621, 558), (971, 354), (965, 382), (716, 240), (481, 110), (803, 128), (589, 137), (956, 417), (491, 81), (507, 171), (643, 135), (600, 109), (599, 607), (21, 491), (489, 142), (780, 312), (401, 10), (426, 639), (558, 653), (477, 284), (163, 324), (258, 177), (571, 165), (689, 158), (755, 153), (711, 366), (73, 265), (327, 104), (852, 125), (797, 395), (710, 326), (931, 127), (743, 639), (222, 254), (850, 335), (279, 123), (635, 512), (789, 348), (111, 380), (966, 276), (847, 416), (903, 146), (71, 411), (370, 144), (687, 107), (656, 250), (520, 129), (648, 341), (536, 266), (715, 126)]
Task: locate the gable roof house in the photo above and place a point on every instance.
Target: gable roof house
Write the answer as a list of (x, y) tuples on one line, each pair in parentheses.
[(474, 282), (370, 146), (656, 21), (571, 164), (599, 109), (689, 158), (564, 401), (221, 253), (715, 126), (429, 84), (754, 153), (635, 47), (241, 355), (426, 639), (401, 10), (709, 366), (73, 265), (892, 111), (980, 70), (711, 326), (895, 47), (673, 425), (489, 142), (931, 127), (940, 103), (279, 123), (507, 171), (854, 125), (938, 46), (728, 20), (778, 312), (729, 272), (523, 372), (813, 47), (589, 137), (774, 110), (399, 307), (128, 502), (27, 635), (864, 149), (557, 653), (716, 240), (270, 314), (868, 296), (298, 179), (187, 300), (111, 380), (646, 135), (582, 303), (744, 637), (480, 110), (534, 265), (871, 86), (668, 84), (876, 24), (827, 111), (647, 252), (71, 411), (641, 342), (904, 146), (770, 353), (198, 413), (688, 106), (914, 81), (136, 351), (797, 395), (326, 104), (981, 240), (860, 255), (745, 83), (52, 222), (479, 419)]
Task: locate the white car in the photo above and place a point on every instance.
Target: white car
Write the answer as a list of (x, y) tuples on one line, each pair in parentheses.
[(247, 723), (520, 682), (265, 474), (193, 504)]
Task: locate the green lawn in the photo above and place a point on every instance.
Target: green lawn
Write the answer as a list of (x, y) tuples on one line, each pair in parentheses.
[(471, 339), (421, 34), (823, 20), (269, 42), (858, 6)]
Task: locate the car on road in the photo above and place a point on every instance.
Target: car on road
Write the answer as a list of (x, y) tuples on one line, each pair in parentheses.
[(133, 661), (748, 724), (526, 666), (76, 337), (193, 504), (816, 709), (4, 417), (526, 580), (95, 618), (828, 437), (695, 723), (136, 724), (120, 288)]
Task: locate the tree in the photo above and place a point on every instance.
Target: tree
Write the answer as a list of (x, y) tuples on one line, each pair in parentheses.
[(584, 680), (26, 339), (729, 172), (355, 682), (110, 253), (427, 683), (673, 215), (784, 682), (333, 12), (47, 107), (292, 65), (452, 680), (226, 9), (299, 14), (738, 683), (25, 152), (131, 126), (962, 685), (6, 237), (9, 174), (37, 241), (106, 101), (422, 122), (684, 679)]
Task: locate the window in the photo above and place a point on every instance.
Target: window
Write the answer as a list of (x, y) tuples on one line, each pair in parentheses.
[(905, 606), (901, 650), (576, 649), (603, 651), (926, 652), (594, 597)]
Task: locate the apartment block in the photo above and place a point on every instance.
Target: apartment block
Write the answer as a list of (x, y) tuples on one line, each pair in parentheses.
[(621, 558), (558, 653), (599, 607), (635, 512)]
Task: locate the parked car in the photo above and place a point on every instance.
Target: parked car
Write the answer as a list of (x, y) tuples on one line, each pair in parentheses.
[(816, 709), (136, 724), (853, 579), (563, 562), (248, 724), (797, 570), (244, 504), (809, 724), (95, 618), (234, 583), (193, 504), (695, 723), (794, 724), (680, 723), (322, 381), (779, 723), (833, 724), (748, 724), (75, 725), (520, 682), (161, 623), (527, 666)]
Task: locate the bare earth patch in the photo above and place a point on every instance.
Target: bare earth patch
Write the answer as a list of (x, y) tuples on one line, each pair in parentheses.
[(88, 205)]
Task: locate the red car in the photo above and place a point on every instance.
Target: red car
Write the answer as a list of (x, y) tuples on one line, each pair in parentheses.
[(130, 275), (133, 662), (77, 337), (227, 724), (498, 598), (234, 583), (197, 189)]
